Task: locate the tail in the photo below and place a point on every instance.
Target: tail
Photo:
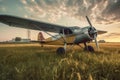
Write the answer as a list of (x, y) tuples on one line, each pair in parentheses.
[(41, 37)]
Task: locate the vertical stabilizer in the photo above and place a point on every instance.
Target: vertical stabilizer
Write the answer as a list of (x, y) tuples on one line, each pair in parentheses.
[(41, 37)]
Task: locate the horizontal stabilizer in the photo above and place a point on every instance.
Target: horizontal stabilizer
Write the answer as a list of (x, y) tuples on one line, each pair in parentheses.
[(101, 32)]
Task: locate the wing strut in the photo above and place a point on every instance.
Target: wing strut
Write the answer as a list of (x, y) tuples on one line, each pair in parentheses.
[(63, 36), (45, 31)]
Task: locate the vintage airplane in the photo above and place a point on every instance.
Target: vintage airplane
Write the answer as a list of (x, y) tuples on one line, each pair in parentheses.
[(67, 35)]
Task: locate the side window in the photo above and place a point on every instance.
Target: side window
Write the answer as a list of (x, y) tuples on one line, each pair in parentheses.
[(66, 31)]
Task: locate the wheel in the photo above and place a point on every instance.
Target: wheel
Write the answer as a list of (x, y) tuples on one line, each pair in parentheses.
[(60, 51), (89, 48)]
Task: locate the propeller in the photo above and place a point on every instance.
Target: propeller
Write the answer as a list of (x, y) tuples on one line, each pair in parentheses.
[(93, 32), (89, 21), (95, 38)]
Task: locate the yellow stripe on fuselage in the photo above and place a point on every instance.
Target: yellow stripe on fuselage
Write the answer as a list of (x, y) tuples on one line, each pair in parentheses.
[(60, 41)]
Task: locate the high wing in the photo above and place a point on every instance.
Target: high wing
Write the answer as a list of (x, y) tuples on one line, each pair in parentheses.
[(14, 21), (30, 24)]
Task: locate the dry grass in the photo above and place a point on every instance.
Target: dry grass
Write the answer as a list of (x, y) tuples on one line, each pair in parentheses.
[(32, 62)]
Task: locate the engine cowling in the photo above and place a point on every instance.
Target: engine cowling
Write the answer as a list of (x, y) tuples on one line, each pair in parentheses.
[(82, 38), (92, 32), (87, 34)]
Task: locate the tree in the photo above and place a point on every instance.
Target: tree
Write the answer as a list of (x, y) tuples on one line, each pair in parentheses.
[(18, 39)]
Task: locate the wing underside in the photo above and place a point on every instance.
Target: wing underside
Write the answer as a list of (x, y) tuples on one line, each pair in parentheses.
[(60, 41), (30, 24), (34, 25)]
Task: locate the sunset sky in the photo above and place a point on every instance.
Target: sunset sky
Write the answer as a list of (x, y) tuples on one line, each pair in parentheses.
[(104, 15)]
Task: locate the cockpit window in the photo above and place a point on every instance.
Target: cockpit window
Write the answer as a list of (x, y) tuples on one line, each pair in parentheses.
[(66, 31)]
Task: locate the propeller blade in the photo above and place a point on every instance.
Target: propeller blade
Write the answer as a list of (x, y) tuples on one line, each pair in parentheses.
[(89, 21), (94, 32), (97, 45)]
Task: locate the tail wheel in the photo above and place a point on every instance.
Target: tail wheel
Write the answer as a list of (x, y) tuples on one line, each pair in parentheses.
[(60, 51), (89, 48)]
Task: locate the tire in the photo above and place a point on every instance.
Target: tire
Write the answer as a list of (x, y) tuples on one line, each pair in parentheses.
[(89, 48), (60, 51)]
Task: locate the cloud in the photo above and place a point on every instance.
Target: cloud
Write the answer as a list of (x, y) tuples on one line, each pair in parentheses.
[(99, 11), (1, 0), (112, 35), (2, 9)]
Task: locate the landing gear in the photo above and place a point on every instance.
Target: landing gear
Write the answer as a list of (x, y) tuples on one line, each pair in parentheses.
[(60, 51), (88, 48)]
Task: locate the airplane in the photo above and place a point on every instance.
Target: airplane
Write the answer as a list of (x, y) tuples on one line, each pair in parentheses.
[(66, 35)]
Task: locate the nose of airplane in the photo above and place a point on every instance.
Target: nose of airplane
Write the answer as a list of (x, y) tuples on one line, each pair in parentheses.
[(92, 32)]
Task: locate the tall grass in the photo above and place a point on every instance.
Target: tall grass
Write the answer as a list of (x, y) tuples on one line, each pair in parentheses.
[(36, 63)]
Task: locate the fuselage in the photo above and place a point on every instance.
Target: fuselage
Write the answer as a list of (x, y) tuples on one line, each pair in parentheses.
[(77, 35)]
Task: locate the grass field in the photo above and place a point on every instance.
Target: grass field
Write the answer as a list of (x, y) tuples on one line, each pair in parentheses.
[(32, 62)]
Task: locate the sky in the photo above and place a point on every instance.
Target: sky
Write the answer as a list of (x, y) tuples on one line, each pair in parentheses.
[(104, 15)]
